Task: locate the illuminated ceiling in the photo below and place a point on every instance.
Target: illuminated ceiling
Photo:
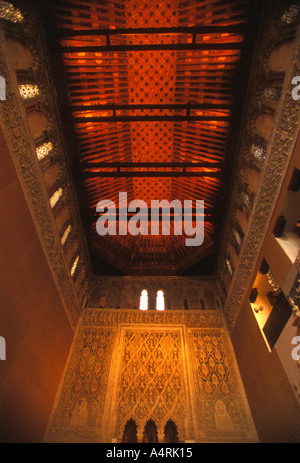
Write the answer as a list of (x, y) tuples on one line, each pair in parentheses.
[(155, 93)]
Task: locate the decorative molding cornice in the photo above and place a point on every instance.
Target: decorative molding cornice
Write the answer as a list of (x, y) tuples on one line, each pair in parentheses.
[(190, 318)]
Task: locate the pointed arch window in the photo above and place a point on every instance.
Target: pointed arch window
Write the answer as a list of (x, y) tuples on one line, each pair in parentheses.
[(144, 300), (160, 300), (150, 433), (130, 432), (171, 434)]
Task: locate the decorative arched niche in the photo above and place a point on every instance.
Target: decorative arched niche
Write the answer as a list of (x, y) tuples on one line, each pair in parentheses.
[(130, 433), (150, 433), (171, 433)]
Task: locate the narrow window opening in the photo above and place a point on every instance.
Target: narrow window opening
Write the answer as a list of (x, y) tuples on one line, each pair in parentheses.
[(130, 432), (74, 266), (44, 150), (55, 197), (66, 234), (229, 266), (144, 300), (171, 434), (150, 433), (160, 300)]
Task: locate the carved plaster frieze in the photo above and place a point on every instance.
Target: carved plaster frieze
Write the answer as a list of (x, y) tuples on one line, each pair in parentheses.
[(191, 318)]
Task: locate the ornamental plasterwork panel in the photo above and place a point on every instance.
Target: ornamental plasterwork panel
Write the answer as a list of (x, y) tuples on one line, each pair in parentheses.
[(151, 381), (81, 396), (221, 409), (108, 317), (162, 366)]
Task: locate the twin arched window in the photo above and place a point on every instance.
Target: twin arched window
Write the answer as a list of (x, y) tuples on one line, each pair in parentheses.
[(160, 300)]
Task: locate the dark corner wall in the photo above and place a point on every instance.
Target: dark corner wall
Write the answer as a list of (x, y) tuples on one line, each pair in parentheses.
[(32, 318), (274, 407)]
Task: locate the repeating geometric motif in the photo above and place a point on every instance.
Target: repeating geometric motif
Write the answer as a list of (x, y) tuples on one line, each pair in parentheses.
[(151, 14), (151, 141), (110, 317), (83, 392), (220, 407), (163, 372), (151, 379)]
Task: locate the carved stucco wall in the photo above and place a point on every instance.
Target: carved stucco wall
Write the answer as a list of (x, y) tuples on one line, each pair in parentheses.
[(124, 292), (175, 365)]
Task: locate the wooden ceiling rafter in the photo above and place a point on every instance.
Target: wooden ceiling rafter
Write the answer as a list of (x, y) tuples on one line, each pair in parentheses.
[(151, 89)]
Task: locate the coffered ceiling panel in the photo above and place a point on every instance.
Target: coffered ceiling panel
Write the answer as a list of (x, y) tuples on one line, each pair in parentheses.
[(153, 88)]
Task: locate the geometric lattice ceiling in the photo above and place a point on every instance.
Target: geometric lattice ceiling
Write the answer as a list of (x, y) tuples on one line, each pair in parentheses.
[(151, 87)]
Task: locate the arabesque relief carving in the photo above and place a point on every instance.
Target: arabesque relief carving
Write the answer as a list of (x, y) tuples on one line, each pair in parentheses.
[(151, 380), (175, 366), (220, 405)]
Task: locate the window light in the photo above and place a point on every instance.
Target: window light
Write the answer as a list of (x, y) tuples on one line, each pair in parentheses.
[(144, 300), (160, 300), (74, 266), (10, 13), (55, 197), (28, 91), (43, 150), (66, 234)]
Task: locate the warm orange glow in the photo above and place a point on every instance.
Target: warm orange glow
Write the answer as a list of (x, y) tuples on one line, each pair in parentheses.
[(262, 307), (156, 77)]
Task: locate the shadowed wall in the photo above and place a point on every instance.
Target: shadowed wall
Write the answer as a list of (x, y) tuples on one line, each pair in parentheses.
[(32, 318)]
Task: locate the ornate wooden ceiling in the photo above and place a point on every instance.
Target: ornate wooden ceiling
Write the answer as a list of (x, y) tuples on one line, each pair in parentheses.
[(152, 88)]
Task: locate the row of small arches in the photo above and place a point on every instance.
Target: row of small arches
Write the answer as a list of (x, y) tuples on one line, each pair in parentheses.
[(150, 434), (160, 300)]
